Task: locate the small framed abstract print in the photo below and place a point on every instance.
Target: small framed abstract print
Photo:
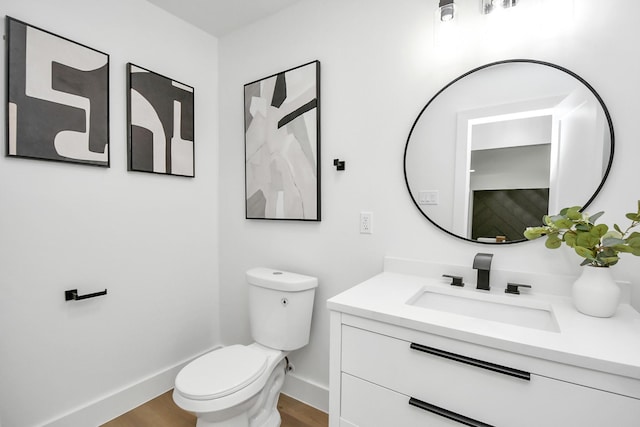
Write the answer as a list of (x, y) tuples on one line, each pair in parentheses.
[(58, 97), (282, 145), (160, 115)]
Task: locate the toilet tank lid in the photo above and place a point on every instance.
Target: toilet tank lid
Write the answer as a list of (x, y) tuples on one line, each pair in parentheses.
[(280, 280)]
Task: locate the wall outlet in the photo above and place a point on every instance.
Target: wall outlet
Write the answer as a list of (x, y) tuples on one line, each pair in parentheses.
[(366, 222)]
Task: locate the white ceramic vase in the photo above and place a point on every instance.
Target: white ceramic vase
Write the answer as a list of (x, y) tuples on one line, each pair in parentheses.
[(595, 293)]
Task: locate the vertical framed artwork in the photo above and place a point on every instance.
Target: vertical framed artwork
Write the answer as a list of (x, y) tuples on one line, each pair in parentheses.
[(282, 145), (57, 97), (160, 115)]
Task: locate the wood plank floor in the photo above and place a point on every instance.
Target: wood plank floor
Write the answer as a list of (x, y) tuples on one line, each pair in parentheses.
[(297, 414), (163, 412)]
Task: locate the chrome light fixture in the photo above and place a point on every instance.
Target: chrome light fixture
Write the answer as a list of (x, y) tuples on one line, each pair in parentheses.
[(447, 10), (489, 6)]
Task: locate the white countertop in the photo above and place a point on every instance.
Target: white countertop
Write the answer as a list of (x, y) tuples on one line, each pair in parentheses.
[(610, 345)]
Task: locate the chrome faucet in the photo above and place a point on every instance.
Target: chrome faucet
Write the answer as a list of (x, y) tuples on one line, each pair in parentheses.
[(482, 263)]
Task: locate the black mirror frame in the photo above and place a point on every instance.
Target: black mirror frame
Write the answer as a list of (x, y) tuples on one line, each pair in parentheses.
[(491, 64)]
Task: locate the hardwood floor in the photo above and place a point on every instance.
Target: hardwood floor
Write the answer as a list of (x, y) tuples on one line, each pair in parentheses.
[(159, 412), (163, 412), (297, 414)]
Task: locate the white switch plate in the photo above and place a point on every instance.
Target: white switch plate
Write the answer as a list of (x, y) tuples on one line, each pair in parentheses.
[(366, 222), (428, 197)]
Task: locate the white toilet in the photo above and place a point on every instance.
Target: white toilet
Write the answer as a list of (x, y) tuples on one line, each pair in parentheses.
[(239, 386)]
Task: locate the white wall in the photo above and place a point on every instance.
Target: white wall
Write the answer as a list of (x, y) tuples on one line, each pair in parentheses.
[(381, 62), (151, 240), (380, 65)]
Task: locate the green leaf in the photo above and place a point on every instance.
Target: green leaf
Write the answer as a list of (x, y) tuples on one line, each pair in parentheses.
[(563, 223), (605, 253), (546, 220), (612, 241), (584, 252), (609, 260), (612, 234), (593, 218), (634, 242), (532, 233), (574, 213), (633, 216), (553, 242), (587, 240), (583, 227), (570, 238), (599, 230), (617, 228)]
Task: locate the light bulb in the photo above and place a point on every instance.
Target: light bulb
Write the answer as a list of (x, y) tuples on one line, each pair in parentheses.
[(447, 10)]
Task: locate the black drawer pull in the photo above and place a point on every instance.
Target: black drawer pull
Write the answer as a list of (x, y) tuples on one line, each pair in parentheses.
[(446, 413), (473, 362)]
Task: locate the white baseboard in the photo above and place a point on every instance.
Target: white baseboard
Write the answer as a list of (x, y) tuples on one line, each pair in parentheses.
[(105, 409), (307, 391)]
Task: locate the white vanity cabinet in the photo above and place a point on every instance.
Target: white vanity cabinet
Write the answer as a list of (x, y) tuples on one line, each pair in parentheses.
[(385, 372), (393, 377)]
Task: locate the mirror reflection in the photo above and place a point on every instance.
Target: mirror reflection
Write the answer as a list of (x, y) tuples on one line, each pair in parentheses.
[(504, 144)]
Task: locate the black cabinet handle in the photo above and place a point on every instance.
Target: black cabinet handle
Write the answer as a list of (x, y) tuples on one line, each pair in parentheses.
[(72, 295), (446, 413), (473, 362)]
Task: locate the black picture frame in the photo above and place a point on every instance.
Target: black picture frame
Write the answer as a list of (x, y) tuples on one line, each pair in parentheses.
[(282, 145), (160, 124), (57, 97)]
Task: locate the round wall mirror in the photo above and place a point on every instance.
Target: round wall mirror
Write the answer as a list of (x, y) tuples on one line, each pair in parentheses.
[(504, 144)]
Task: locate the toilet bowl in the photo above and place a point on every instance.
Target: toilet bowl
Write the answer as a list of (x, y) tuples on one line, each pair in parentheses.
[(238, 385), (233, 386)]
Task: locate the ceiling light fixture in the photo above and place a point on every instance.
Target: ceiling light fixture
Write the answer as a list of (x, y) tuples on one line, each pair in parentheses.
[(447, 10), (489, 6)]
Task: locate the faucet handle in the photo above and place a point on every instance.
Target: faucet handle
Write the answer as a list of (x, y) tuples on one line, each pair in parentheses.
[(512, 288), (455, 280)]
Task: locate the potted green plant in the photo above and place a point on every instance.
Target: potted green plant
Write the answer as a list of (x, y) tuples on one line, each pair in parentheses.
[(595, 292)]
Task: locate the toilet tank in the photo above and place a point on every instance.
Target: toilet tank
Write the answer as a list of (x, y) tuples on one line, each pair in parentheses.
[(280, 307)]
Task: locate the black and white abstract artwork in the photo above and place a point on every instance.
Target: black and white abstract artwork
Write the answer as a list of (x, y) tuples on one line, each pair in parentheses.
[(161, 124), (282, 145), (58, 97)]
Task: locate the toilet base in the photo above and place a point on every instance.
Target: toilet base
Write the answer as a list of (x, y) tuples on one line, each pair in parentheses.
[(265, 412), (262, 409)]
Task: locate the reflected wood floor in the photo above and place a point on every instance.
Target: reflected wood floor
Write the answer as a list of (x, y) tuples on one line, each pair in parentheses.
[(163, 412)]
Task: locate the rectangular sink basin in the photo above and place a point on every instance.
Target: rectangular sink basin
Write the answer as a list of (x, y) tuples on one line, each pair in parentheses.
[(496, 308)]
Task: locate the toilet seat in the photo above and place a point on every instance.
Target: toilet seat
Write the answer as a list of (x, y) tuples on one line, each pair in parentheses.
[(221, 372)]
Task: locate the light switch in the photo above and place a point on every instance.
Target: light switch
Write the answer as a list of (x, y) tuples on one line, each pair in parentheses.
[(428, 197)]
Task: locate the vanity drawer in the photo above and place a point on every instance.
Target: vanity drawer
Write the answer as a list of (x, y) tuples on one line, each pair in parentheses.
[(492, 393), (365, 404)]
